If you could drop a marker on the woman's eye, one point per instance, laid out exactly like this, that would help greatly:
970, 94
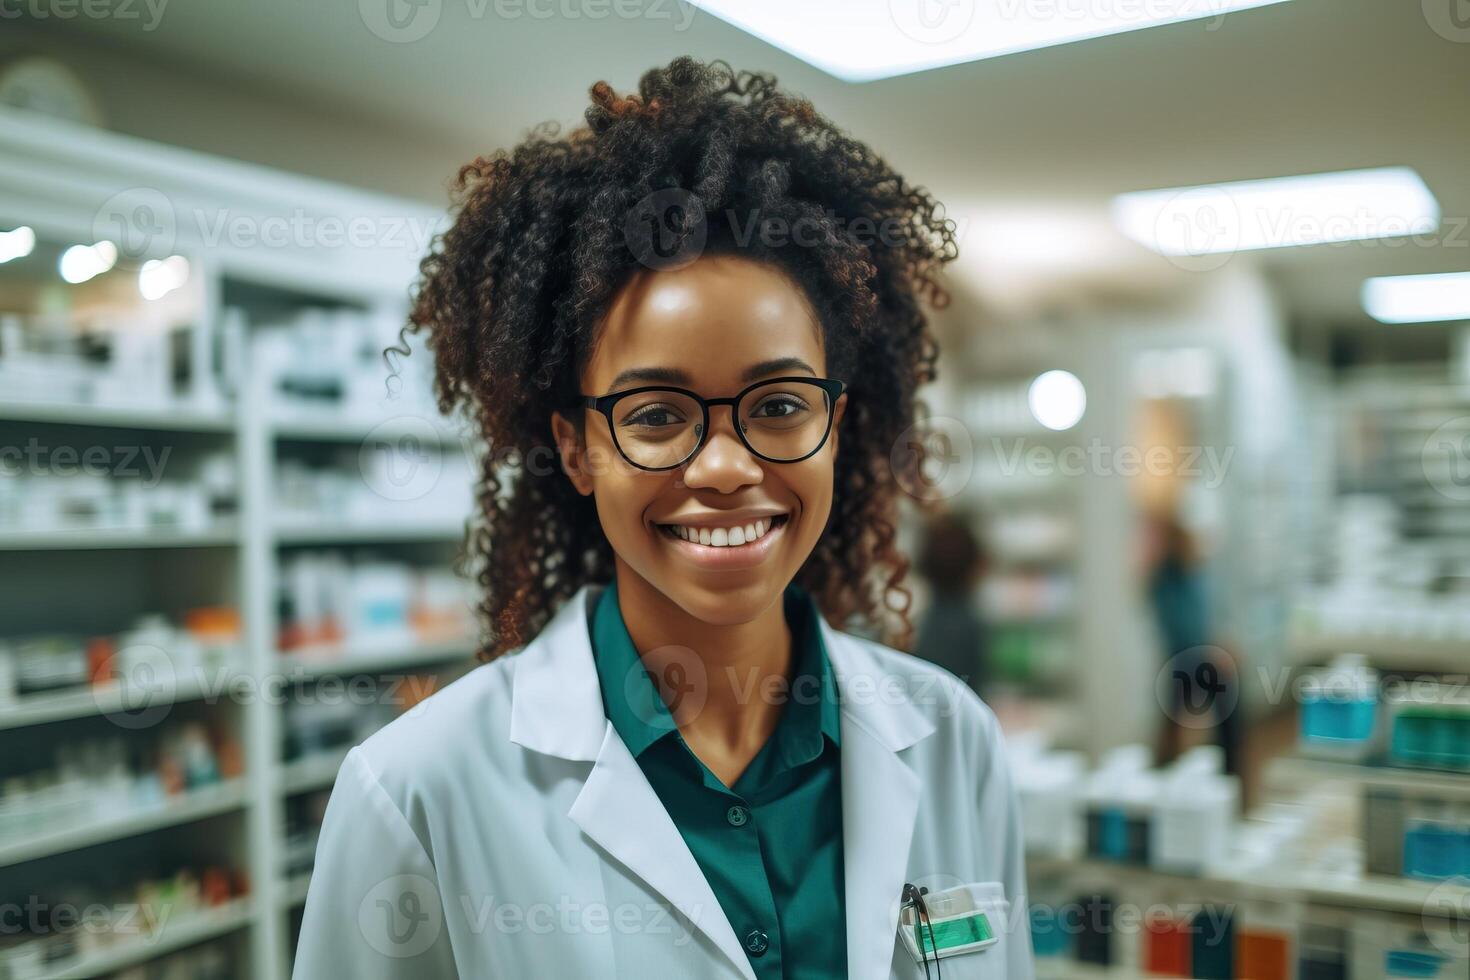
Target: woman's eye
777, 408
654, 416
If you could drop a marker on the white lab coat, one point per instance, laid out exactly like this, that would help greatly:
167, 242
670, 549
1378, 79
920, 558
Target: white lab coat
502, 829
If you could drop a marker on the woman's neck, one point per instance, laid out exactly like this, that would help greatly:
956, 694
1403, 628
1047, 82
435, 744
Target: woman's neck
725, 685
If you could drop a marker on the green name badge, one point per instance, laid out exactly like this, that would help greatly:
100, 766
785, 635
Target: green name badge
956, 931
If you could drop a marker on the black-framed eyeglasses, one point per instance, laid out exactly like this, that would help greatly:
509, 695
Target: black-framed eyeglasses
780, 420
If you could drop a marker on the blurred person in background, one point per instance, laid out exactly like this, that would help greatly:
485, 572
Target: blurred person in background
952, 632
1200, 673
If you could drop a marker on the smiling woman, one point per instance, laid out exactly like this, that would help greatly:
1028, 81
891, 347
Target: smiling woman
706, 306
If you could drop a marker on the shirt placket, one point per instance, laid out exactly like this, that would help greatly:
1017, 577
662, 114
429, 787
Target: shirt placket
735, 816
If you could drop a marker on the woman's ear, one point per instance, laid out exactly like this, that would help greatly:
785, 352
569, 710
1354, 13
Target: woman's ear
569, 447
838, 407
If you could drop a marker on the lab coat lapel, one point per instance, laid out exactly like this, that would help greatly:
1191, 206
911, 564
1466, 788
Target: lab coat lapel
880, 802
556, 709
619, 810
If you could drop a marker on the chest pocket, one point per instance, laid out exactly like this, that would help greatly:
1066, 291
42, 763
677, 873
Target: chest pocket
971, 926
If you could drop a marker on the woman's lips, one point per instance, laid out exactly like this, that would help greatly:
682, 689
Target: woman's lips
723, 558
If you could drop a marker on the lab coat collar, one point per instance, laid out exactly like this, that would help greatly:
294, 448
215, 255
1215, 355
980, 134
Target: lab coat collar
557, 710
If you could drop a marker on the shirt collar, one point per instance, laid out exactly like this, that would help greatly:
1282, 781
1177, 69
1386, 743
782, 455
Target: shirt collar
641, 718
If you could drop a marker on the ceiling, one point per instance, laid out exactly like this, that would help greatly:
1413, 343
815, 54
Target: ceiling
1298, 87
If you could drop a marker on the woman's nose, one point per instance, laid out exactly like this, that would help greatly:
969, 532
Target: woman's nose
723, 463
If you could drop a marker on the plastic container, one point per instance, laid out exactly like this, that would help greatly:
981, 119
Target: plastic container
1339, 710
1047, 785
1194, 818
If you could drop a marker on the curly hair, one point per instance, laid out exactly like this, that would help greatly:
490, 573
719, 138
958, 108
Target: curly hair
512, 292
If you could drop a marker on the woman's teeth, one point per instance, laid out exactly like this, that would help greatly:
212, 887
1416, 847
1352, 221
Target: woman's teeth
725, 537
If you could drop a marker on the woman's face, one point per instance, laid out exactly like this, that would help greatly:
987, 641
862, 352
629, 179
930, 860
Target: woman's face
714, 327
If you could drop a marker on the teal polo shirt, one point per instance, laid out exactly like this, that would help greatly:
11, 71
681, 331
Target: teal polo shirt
771, 845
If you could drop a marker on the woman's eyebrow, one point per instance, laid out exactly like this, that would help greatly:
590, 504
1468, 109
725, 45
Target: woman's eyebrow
665, 375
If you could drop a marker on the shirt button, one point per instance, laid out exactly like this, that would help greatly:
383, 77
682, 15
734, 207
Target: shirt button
737, 815
756, 942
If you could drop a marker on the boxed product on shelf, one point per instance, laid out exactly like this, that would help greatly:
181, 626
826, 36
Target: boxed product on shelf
329, 363
114, 777
123, 915
1416, 833
326, 723
152, 651
1429, 725
375, 485
109, 359
304, 815
1324, 945
1118, 806
196, 495
333, 605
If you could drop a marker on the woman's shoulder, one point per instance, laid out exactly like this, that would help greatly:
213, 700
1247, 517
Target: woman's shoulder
463, 726
908, 685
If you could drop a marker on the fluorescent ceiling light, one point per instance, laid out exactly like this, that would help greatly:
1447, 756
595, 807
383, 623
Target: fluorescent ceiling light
82, 262
863, 40
1252, 214
17, 243
1418, 299
159, 277
1057, 399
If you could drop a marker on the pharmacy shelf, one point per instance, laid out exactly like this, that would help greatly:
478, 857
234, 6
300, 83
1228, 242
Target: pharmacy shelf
1385, 651
1354, 891
180, 418
194, 805
328, 532
1294, 770
373, 280
1055, 968
339, 662
315, 771
350, 430
176, 934
103, 539
108, 699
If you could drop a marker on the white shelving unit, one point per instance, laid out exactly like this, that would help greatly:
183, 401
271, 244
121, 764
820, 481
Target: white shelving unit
176, 935
65, 181
191, 806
